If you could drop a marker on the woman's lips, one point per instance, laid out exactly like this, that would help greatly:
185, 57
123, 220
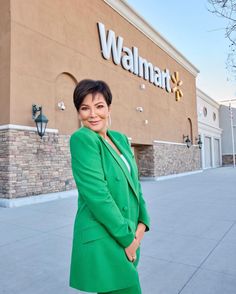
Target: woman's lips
94, 123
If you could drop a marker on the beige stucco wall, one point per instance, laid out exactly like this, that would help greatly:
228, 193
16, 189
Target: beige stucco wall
53, 38
5, 39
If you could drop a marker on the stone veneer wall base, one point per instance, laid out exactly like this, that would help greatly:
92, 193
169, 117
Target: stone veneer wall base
167, 159
227, 159
33, 166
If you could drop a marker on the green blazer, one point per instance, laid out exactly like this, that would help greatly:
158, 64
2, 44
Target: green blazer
110, 205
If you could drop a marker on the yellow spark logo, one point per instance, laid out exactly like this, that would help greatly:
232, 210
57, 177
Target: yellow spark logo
175, 79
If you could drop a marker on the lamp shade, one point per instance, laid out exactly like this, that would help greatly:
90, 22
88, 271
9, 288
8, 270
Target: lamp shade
199, 142
188, 142
41, 124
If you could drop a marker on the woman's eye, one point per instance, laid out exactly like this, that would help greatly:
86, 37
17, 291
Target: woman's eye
84, 108
100, 106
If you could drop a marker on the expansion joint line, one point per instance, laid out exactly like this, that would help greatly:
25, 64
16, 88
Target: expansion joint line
198, 268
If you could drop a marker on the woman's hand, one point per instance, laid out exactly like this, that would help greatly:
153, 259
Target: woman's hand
140, 232
131, 250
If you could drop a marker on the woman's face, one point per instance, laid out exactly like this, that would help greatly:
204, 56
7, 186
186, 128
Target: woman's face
94, 113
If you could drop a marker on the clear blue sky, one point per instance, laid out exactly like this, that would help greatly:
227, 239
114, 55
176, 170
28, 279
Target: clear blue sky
198, 35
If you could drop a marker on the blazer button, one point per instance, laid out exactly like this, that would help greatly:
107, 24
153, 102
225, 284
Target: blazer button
125, 208
117, 179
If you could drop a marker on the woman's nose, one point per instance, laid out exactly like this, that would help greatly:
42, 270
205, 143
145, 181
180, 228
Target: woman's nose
92, 112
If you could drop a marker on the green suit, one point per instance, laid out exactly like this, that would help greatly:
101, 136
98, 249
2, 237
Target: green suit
110, 205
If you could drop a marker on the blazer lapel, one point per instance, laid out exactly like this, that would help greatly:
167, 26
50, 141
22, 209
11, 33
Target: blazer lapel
120, 161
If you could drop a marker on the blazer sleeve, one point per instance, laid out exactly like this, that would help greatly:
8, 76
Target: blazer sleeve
92, 186
143, 213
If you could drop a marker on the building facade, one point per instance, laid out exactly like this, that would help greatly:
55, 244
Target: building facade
209, 130
228, 124
51, 45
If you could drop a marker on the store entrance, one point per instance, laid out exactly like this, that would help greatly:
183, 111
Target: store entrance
144, 156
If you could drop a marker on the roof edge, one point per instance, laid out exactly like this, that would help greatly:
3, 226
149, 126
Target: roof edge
207, 98
126, 11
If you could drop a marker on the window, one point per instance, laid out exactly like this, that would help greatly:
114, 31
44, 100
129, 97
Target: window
205, 111
214, 116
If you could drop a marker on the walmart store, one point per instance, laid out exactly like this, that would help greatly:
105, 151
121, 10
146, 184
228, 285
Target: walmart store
48, 46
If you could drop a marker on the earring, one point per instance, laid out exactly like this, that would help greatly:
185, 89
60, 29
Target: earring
109, 120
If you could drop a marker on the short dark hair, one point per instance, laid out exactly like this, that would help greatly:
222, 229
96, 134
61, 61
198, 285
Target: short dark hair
86, 87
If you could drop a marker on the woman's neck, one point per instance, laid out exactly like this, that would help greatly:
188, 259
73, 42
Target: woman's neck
103, 133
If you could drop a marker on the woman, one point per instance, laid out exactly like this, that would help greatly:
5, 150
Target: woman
111, 218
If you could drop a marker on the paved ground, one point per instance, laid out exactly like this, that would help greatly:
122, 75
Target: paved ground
191, 248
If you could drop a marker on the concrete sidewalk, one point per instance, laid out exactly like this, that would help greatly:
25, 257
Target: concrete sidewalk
191, 248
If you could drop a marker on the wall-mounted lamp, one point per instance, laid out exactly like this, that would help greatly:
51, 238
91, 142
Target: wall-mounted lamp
146, 122
199, 141
139, 109
41, 120
187, 141
142, 87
